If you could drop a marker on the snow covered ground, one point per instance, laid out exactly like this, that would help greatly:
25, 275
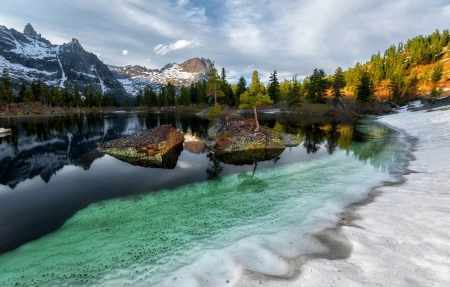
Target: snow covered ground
400, 236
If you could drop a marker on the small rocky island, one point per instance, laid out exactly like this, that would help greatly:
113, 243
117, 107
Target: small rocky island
159, 146
237, 134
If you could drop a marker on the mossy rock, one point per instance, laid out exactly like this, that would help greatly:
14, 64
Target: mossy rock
147, 146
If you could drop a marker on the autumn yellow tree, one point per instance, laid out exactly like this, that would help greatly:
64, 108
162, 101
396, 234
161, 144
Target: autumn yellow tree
254, 97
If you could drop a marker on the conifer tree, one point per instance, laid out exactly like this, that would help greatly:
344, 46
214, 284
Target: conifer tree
165, 97
213, 84
67, 97
254, 97
295, 94
193, 93
337, 85
185, 98
76, 95
6, 91
138, 102
436, 73
396, 86
56, 97
98, 99
316, 89
241, 86
171, 93
28, 96
274, 87
21, 94
364, 90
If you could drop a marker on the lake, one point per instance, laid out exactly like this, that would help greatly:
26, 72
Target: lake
72, 215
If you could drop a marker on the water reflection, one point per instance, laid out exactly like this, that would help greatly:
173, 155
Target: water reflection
169, 159
41, 146
50, 168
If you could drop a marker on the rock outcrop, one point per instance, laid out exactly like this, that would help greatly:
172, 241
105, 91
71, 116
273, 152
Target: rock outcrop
231, 134
196, 65
433, 103
149, 146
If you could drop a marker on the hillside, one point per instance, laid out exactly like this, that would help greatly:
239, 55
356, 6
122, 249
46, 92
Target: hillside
406, 70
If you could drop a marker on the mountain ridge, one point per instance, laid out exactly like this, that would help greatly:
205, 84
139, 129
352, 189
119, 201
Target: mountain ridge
135, 77
28, 56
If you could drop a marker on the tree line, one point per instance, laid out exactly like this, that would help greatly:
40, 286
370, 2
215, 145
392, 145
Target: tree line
397, 70
56, 96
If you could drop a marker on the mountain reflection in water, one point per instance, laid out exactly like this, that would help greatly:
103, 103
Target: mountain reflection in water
50, 168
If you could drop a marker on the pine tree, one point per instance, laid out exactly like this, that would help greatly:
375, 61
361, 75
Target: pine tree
241, 86
295, 95
396, 86
171, 93
193, 93
138, 102
76, 96
185, 99
213, 85
28, 96
67, 97
6, 93
21, 94
56, 97
436, 73
316, 89
337, 85
254, 97
274, 87
98, 99
364, 90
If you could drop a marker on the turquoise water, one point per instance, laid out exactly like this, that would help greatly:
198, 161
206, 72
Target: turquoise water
151, 239
198, 232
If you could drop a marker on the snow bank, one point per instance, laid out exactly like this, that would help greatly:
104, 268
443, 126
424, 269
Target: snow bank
402, 237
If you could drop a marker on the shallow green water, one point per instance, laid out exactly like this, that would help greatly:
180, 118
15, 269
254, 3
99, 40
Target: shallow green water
148, 238
201, 232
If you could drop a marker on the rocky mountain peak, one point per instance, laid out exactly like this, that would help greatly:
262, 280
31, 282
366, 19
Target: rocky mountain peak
29, 30
196, 65
75, 46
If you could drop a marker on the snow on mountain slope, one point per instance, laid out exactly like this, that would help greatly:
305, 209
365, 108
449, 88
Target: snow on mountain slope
135, 78
28, 56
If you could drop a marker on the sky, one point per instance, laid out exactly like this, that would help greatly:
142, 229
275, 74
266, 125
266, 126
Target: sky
292, 37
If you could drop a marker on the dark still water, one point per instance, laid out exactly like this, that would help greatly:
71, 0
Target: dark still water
71, 215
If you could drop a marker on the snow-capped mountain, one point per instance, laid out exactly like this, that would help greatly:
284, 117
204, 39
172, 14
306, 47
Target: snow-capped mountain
135, 78
29, 56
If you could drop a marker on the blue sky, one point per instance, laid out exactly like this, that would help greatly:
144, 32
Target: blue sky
293, 37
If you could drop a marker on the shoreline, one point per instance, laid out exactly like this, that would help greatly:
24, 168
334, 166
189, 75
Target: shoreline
347, 250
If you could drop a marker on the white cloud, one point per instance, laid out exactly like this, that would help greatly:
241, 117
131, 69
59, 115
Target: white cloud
181, 3
124, 52
178, 45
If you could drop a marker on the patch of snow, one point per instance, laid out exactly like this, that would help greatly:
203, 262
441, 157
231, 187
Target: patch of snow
35, 49
104, 88
402, 237
20, 71
63, 76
